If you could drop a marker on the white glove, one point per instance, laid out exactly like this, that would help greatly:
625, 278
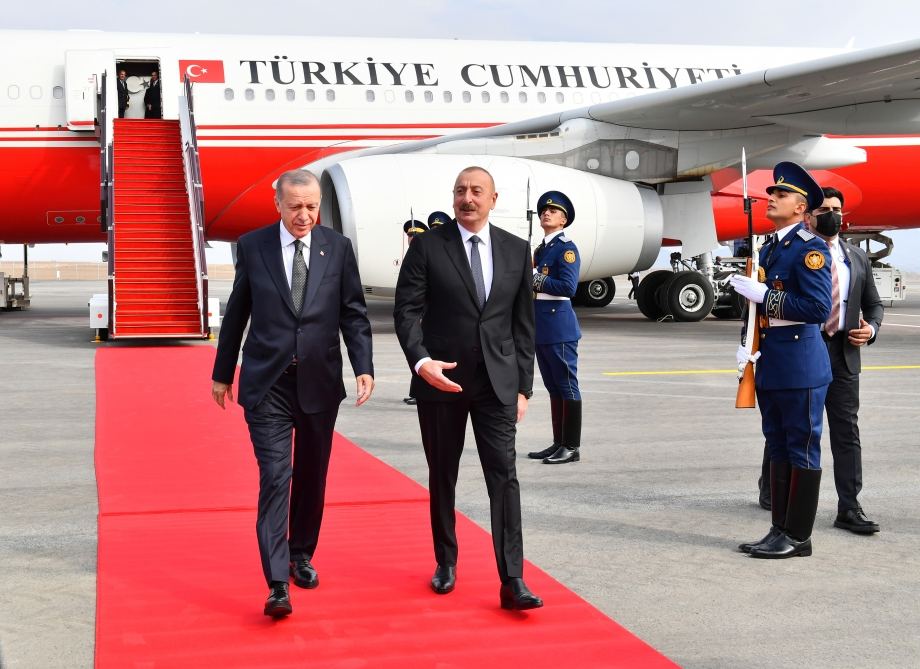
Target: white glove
742, 357
748, 287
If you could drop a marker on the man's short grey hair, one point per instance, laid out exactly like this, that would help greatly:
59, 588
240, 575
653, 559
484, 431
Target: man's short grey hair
294, 178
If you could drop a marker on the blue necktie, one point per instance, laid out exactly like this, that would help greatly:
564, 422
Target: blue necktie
476, 266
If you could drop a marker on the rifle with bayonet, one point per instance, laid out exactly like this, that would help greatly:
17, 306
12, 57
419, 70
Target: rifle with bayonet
746, 398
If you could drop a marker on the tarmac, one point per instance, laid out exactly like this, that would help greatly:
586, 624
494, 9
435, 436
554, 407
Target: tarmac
645, 527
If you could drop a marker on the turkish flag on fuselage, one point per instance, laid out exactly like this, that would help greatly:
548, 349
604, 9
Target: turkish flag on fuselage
202, 71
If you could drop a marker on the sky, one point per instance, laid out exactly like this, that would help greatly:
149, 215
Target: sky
818, 23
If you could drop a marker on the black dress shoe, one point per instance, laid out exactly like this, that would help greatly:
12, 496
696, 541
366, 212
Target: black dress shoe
304, 574
545, 453
444, 579
562, 455
278, 604
773, 533
410, 401
515, 595
855, 520
780, 547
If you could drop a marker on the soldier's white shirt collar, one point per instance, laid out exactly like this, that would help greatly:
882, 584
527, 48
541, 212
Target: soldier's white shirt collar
782, 232
550, 237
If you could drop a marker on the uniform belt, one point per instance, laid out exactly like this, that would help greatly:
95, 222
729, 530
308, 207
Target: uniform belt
780, 323
544, 296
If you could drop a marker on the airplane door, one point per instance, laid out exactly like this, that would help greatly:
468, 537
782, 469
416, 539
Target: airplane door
82, 81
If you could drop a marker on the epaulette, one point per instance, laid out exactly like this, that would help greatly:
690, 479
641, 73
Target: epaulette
563, 238
804, 234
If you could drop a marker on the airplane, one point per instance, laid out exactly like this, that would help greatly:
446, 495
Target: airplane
646, 139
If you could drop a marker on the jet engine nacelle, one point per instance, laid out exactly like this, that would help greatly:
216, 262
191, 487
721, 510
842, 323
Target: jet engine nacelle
618, 225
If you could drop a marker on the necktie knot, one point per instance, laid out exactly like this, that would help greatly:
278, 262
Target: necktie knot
298, 247
474, 239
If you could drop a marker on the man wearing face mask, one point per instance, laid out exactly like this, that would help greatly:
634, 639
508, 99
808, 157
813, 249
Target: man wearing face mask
844, 333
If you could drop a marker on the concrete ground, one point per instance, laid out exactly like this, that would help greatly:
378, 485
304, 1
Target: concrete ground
644, 527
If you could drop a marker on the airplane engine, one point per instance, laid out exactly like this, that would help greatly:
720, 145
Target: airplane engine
617, 227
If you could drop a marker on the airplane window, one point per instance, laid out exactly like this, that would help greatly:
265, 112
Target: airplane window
35, 92
13, 92
270, 94
390, 96
249, 94
485, 96
429, 96
369, 95
410, 96
228, 94
330, 95
504, 96
467, 97
541, 97
57, 92
522, 97
579, 98
290, 94
311, 95
448, 96
560, 97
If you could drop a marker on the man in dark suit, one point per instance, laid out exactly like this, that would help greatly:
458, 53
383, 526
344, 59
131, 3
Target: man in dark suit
122, 87
464, 317
297, 286
153, 98
845, 333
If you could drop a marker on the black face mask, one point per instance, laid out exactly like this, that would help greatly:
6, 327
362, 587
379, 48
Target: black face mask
828, 223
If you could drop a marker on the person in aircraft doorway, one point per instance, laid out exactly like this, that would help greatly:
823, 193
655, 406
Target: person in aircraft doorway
153, 98
555, 278
122, 87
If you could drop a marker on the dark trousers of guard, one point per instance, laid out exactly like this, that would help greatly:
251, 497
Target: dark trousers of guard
792, 422
842, 407
443, 428
558, 365
292, 491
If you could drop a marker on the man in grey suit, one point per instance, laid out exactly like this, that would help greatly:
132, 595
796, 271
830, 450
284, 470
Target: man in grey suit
845, 332
464, 317
297, 286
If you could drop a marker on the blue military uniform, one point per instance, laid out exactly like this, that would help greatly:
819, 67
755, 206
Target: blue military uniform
556, 270
793, 372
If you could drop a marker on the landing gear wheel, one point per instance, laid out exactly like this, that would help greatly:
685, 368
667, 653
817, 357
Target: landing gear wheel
689, 297
595, 293
645, 293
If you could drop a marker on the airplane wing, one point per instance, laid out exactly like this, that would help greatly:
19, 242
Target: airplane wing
872, 91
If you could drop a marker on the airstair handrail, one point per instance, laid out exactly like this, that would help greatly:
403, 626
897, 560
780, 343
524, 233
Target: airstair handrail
105, 128
193, 186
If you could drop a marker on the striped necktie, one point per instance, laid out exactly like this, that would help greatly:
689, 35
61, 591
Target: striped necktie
833, 321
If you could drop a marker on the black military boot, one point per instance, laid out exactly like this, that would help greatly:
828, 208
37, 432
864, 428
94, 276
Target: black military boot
571, 435
778, 480
555, 407
804, 485
763, 483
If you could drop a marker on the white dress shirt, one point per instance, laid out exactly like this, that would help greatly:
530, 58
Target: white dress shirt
287, 250
843, 278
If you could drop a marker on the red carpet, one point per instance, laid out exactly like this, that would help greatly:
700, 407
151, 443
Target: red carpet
179, 582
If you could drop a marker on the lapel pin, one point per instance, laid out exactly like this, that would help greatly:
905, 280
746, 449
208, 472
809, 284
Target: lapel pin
322, 253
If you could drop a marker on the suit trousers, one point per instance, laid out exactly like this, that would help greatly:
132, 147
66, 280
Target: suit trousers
292, 491
842, 407
443, 428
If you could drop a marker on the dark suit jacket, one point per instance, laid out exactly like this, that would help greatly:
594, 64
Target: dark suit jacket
122, 87
334, 301
437, 313
863, 297
153, 97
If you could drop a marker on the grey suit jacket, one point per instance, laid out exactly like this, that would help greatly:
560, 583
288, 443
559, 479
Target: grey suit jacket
437, 313
863, 297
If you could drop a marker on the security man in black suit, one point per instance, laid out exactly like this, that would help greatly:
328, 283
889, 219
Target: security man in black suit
297, 286
464, 318
153, 98
846, 331
413, 229
122, 88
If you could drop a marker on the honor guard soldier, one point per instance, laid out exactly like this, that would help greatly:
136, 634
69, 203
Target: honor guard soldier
793, 297
437, 219
413, 229
555, 278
